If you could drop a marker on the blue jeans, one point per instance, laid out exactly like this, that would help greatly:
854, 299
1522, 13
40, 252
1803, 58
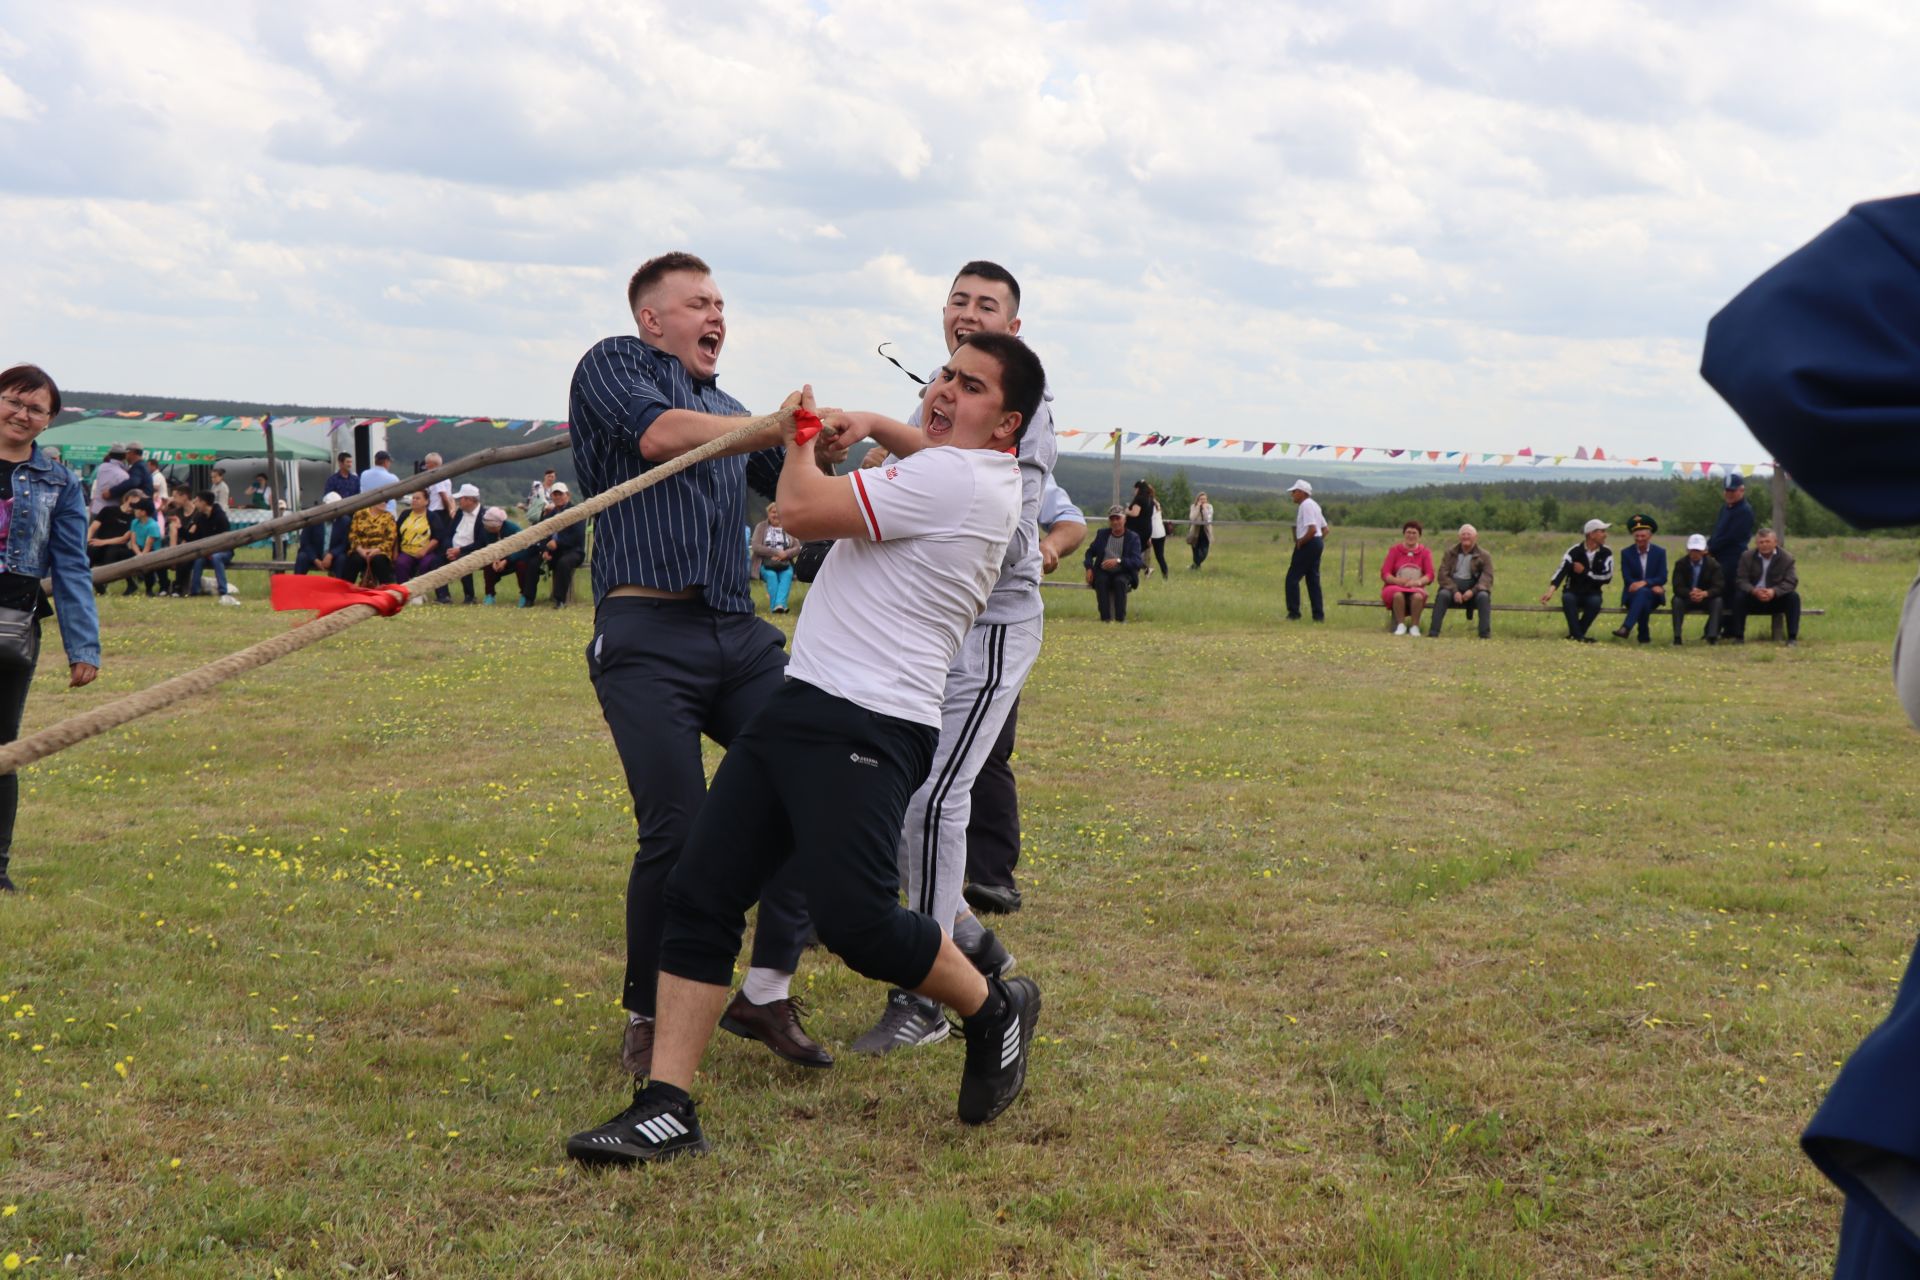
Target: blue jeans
219, 560
779, 583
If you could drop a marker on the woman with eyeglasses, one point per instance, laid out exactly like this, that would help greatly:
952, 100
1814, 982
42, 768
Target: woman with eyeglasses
43, 533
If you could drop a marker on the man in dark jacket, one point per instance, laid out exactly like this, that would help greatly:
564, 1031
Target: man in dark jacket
564, 552
1465, 581
1584, 570
1643, 574
1113, 561
1767, 583
1728, 541
1697, 586
313, 550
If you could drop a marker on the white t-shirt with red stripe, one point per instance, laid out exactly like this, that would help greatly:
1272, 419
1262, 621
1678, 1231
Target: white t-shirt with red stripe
886, 615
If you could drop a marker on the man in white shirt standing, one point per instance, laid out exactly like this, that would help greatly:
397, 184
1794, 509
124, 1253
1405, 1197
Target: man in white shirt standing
440, 492
1309, 540
820, 778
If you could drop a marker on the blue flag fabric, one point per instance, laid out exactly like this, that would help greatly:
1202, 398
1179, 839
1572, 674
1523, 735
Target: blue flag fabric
1821, 358
1866, 1138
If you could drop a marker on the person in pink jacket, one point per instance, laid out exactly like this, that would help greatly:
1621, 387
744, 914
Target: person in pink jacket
1407, 572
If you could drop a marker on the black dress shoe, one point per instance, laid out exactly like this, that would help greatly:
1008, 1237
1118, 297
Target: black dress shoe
1620, 633
776, 1025
991, 899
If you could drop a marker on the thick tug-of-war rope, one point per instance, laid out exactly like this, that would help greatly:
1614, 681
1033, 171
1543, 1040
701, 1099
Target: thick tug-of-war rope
349, 605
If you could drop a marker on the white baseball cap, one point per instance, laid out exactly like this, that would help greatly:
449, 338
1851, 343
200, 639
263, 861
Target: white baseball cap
1301, 486
467, 491
494, 515
1696, 542
560, 486
1594, 526
331, 497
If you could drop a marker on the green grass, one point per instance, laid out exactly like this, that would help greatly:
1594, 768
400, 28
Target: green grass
1363, 957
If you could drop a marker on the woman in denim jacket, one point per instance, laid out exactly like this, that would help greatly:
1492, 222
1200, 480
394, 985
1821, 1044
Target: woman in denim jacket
43, 533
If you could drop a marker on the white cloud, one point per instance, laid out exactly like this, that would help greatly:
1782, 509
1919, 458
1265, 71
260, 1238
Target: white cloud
1396, 222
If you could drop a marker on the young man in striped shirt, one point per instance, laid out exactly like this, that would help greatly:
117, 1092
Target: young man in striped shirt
677, 653
819, 781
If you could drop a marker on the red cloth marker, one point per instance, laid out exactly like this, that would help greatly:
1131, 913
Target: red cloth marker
810, 425
327, 594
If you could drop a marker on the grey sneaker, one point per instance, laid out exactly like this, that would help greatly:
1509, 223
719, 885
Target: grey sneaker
909, 1021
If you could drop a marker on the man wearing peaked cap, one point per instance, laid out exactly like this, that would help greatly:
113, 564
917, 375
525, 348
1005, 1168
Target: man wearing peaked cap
1728, 541
1643, 568
1698, 586
1309, 541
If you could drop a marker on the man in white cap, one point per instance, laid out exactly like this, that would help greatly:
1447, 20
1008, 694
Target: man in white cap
466, 534
566, 549
1309, 540
1584, 572
314, 550
1698, 585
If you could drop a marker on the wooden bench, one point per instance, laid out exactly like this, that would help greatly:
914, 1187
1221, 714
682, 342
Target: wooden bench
1779, 621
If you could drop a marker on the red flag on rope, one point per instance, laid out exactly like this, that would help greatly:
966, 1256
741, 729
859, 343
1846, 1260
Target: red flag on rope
809, 425
326, 594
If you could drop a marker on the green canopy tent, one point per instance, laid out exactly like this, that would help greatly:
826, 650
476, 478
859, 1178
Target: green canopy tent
85, 442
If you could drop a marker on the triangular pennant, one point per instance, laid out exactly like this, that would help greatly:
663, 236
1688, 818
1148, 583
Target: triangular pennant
1265, 449
1213, 443
1579, 454
1599, 455
1246, 446
1433, 455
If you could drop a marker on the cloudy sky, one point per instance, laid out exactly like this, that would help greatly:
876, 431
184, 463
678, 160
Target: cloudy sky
1390, 222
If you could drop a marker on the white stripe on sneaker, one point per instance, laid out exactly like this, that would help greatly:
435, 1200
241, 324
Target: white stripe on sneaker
1010, 1044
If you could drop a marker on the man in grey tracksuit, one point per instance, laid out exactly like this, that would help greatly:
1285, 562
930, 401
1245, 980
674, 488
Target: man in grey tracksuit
982, 686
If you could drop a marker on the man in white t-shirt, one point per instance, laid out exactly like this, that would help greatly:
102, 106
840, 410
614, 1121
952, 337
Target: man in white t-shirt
440, 492
821, 776
1309, 540
982, 686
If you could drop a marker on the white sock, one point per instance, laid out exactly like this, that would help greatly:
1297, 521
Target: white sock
967, 930
764, 986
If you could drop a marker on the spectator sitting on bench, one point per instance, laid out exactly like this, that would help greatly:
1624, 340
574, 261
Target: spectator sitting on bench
1699, 586
1407, 572
1466, 581
1643, 567
1584, 570
1767, 583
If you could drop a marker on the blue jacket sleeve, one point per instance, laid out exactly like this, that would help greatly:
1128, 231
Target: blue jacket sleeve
763, 471
1656, 568
1132, 557
1820, 357
73, 577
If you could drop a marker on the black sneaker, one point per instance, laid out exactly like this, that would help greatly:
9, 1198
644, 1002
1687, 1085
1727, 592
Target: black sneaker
989, 955
6, 883
997, 1050
653, 1128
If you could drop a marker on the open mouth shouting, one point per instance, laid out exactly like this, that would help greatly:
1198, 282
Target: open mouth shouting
710, 342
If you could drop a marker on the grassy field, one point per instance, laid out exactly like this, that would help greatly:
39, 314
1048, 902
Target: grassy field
1363, 957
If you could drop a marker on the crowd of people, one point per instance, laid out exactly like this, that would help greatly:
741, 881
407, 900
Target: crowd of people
440, 525
1720, 578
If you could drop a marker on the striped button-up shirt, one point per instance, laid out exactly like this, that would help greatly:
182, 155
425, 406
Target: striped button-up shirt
688, 530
